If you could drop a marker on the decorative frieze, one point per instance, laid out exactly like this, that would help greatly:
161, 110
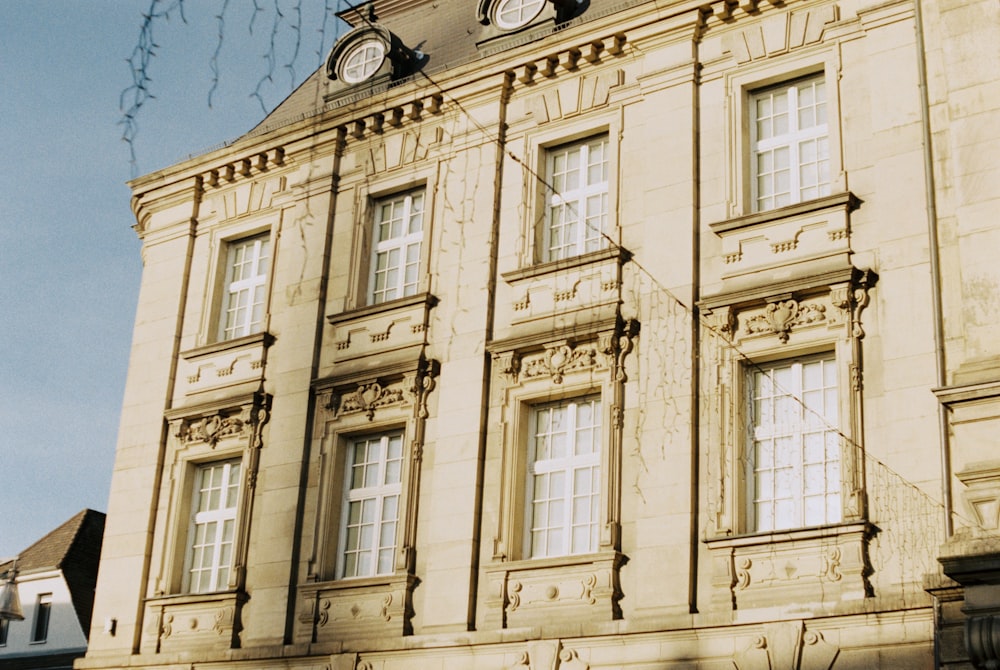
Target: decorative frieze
780, 317
773, 34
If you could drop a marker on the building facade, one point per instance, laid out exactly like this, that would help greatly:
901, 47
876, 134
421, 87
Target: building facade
557, 334
54, 579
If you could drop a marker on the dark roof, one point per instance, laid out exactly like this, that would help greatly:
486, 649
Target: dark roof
447, 34
75, 548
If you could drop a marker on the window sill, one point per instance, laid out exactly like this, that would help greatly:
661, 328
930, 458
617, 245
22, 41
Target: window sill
541, 269
845, 199
789, 535
536, 592
266, 339
193, 620
425, 298
822, 570
364, 607
378, 339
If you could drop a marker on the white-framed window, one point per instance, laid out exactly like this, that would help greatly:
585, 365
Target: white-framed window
247, 263
794, 464
512, 14
564, 478
362, 61
43, 613
398, 236
790, 145
576, 199
371, 505
212, 535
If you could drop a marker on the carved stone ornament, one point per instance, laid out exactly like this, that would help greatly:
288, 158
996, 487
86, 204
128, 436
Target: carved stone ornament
853, 298
560, 360
788, 646
548, 655
242, 422
366, 398
423, 384
779, 318
982, 640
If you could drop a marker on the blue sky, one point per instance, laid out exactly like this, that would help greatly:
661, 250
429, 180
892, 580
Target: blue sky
69, 260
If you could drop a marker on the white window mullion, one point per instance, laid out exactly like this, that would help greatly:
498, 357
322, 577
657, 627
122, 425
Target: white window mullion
577, 202
246, 287
213, 526
379, 487
395, 271
789, 141
795, 450
564, 484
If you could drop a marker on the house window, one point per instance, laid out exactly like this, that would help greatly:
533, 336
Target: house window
371, 506
564, 478
245, 288
399, 222
576, 207
790, 153
511, 14
213, 531
362, 61
795, 445
43, 612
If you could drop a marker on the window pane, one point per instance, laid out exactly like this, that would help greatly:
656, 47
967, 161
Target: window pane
243, 304
368, 537
577, 210
796, 456
790, 156
395, 270
565, 478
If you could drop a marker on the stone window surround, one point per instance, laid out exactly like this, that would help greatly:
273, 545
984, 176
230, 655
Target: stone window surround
212, 432
824, 319
365, 404
741, 83
537, 143
531, 371
219, 239
366, 195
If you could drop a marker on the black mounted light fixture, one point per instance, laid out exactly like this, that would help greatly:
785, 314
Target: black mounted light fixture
10, 601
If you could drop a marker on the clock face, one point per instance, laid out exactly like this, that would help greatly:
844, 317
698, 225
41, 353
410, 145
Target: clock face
511, 14
362, 61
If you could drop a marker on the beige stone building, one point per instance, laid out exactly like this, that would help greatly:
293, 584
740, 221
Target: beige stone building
577, 334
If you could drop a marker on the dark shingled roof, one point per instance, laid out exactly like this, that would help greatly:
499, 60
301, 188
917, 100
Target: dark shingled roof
446, 32
75, 548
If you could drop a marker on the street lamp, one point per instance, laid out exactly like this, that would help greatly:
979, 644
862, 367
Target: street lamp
10, 601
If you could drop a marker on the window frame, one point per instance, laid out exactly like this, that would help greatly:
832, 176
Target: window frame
233, 288
379, 493
568, 465
796, 430
578, 198
41, 619
497, 9
792, 141
757, 76
362, 45
226, 514
402, 244
533, 210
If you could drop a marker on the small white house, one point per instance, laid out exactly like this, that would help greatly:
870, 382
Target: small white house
55, 581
